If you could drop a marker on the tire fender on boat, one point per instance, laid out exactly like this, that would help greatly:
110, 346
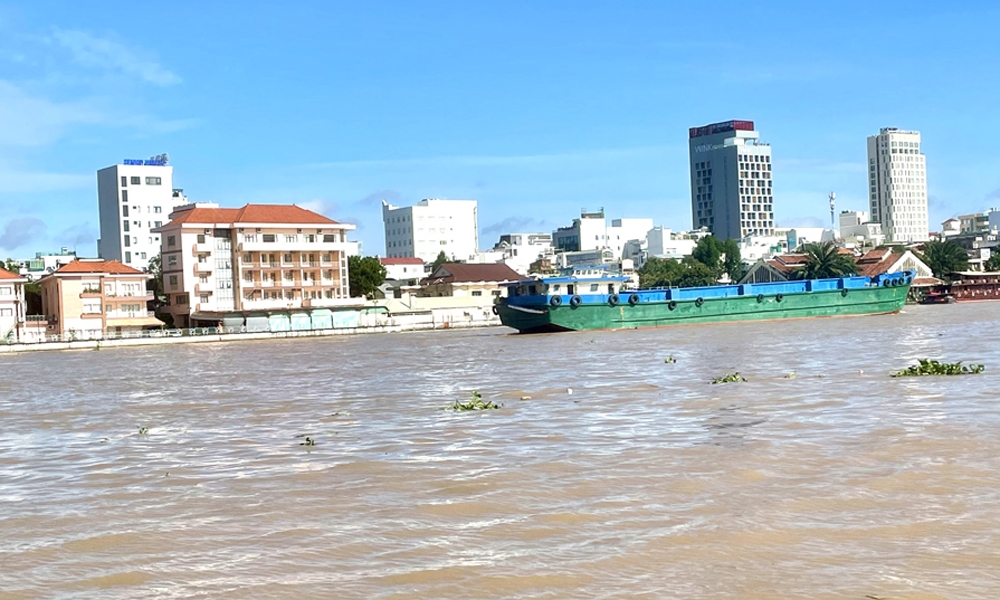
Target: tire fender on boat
496, 310
843, 292
699, 301
760, 298
671, 305
555, 300
613, 299
779, 298
633, 299
575, 301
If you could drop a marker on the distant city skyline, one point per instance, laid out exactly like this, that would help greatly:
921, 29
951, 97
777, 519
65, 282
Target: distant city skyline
534, 110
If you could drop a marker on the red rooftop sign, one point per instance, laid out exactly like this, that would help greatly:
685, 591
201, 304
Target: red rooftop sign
720, 128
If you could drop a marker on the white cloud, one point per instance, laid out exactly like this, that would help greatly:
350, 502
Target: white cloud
101, 53
32, 121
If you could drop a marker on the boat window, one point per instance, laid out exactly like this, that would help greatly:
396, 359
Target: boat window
595, 287
555, 288
570, 289
521, 290
532, 290
611, 288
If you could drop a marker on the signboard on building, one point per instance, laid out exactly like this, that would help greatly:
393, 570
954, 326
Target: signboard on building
720, 128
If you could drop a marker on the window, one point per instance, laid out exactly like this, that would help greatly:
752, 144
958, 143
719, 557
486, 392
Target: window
203, 298
182, 299
136, 181
124, 181
329, 238
268, 238
248, 257
173, 281
142, 255
310, 238
6, 312
128, 241
157, 223
152, 181
125, 211
157, 209
125, 226
124, 195
286, 258
291, 238
250, 238
201, 238
128, 257
495, 292
172, 260
171, 241
477, 292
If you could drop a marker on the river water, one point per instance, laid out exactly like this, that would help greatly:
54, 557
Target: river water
623, 476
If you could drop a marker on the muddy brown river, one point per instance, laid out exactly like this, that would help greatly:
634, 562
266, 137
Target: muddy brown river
181, 471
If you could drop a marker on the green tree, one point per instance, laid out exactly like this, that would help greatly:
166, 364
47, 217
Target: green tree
993, 264
708, 251
364, 275
945, 257
825, 260
733, 263
11, 265
660, 272
155, 285
697, 274
440, 260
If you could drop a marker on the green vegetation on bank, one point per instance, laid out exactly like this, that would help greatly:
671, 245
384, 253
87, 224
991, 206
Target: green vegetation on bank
364, 275
710, 260
944, 257
933, 367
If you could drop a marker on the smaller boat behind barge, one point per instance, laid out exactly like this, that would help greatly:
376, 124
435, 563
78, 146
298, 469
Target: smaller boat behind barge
607, 302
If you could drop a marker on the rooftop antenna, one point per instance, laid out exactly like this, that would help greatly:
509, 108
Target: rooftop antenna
833, 201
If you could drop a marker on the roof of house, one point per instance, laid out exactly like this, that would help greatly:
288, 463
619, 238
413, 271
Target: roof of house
5, 274
112, 267
253, 213
467, 273
401, 261
876, 262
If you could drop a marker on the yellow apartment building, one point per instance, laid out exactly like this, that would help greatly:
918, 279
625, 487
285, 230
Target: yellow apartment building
95, 298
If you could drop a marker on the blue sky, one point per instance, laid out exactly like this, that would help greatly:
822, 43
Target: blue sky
536, 109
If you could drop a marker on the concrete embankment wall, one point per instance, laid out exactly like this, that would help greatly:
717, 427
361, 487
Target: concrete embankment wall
431, 320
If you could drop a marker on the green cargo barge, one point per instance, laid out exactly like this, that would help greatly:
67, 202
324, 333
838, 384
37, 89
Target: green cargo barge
588, 303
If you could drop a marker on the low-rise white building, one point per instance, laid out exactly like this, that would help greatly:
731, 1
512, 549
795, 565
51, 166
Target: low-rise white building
43, 264
520, 250
403, 269
430, 227
623, 231
12, 310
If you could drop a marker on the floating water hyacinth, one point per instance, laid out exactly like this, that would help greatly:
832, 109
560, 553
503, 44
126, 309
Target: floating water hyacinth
932, 367
475, 402
730, 378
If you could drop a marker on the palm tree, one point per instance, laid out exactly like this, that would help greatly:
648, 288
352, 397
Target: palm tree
825, 260
945, 257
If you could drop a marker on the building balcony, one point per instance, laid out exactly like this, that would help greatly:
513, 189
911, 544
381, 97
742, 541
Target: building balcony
203, 288
279, 304
299, 246
91, 293
202, 268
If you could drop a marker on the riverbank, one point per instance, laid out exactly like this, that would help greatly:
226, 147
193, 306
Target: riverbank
211, 335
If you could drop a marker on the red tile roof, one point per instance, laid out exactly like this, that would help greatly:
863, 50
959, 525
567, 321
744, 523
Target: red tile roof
5, 274
468, 273
401, 261
254, 213
876, 262
111, 267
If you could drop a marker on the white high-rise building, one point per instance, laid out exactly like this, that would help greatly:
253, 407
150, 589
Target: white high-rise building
431, 226
134, 198
731, 191
897, 184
